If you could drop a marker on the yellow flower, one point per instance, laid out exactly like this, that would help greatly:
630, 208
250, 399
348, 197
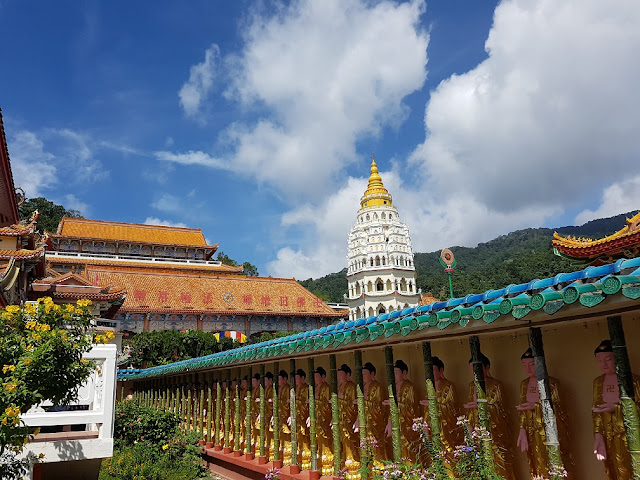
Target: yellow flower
70, 308
56, 308
30, 325
10, 386
164, 447
83, 303
29, 348
30, 308
27, 361
43, 327
13, 309
36, 336
36, 431
8, 368
12, 411
4, 421
110, 335
41, 456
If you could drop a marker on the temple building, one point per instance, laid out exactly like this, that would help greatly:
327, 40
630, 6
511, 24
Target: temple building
172, 283
381, 274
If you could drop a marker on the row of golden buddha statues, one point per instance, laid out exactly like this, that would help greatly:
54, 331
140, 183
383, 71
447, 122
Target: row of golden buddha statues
610, 442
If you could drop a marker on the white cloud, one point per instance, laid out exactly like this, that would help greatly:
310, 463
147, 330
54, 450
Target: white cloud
548, 118
76, 154
165, 223
32, 167
197, 88
324, 74
621, 197
71, 202
168, 203
191, 158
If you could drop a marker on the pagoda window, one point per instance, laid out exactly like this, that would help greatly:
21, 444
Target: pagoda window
371, 261
390, 216
368, 217
381, 309
358, 291
371, 311
379, 285
377, 261
410, 286
403, 285
384, 260
389, 285
383, 216
398, 308
369, 286
375, 216
406, 305
358, 312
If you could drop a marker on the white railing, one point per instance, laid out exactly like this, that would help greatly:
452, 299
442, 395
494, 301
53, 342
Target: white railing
132, 258
93, 410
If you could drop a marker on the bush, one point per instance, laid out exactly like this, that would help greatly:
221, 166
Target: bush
135, 422
148, 446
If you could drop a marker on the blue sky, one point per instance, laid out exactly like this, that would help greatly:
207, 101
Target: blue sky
256, 120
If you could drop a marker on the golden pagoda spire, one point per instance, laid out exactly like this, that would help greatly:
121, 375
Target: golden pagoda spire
375, 194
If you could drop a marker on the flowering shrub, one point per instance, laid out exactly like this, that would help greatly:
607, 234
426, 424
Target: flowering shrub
41, 347
272, 474
470, 461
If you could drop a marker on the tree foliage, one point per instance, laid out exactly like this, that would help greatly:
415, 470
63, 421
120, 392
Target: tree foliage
249, 269
41, 349
50, 213
166, 346
518, 257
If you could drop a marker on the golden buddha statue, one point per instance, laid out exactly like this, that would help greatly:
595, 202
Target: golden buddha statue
348, 415
610, 442
407, 410
284, 417
451, 434
532, 436
324, 436
499, 422
376, 412
302, 419
268, 416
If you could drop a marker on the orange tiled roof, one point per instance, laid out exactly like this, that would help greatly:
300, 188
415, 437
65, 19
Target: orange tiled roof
132, 232
151, 266
22, 254
17, 230
182, 292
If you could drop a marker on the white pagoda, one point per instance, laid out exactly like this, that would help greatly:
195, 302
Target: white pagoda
381, 273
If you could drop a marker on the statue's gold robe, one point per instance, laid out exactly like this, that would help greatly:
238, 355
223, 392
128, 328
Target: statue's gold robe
377, 417
611, 426
243, 416
451, 434
324, 437
533, 423
284, 410
408, 411
348, 413
302, 414
500, 435
255, 411
268, 427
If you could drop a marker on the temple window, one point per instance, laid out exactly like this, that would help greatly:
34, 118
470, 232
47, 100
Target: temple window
379, 285
381, 309
377, 261
368, 217
388, 284
371, 311
410, 286
358, 291
403, 285
383, 216
369, 286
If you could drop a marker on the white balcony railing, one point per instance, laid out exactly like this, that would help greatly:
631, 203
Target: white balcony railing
84, 429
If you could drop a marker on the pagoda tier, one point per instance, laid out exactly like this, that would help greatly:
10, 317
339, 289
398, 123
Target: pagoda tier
625, 243
79, 235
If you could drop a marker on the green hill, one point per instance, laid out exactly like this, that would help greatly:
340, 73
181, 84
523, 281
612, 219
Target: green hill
517, 257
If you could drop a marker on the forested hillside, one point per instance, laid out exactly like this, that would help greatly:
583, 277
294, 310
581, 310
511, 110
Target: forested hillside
514, 258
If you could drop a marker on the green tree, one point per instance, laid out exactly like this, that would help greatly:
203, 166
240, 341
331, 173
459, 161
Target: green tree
50, 213
250, 269
226, 260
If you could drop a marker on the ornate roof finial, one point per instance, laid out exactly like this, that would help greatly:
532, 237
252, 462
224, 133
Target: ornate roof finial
375, 194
